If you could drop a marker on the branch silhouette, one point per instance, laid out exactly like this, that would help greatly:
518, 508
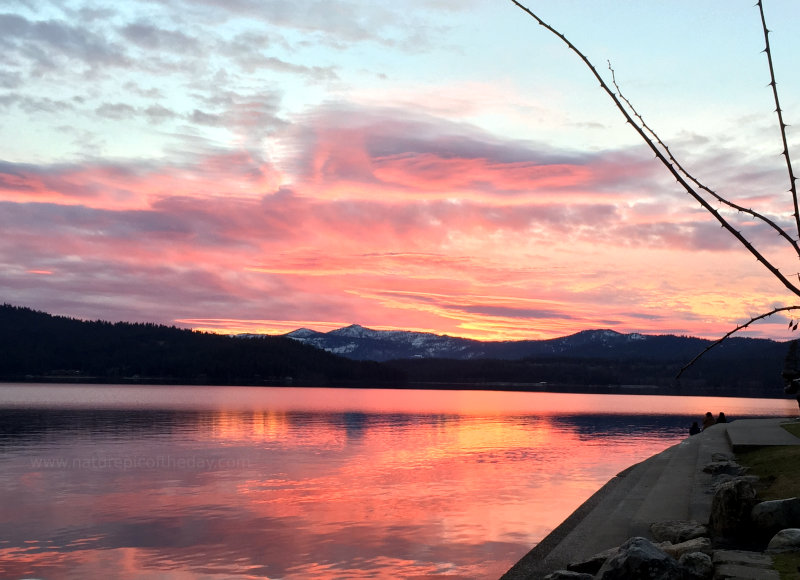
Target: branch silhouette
779, 113
735, 330
781, 232
693, 186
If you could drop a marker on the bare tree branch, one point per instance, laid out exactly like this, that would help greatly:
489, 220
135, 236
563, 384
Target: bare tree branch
779, 112
693, 186
734, 331
676, 173
780, 231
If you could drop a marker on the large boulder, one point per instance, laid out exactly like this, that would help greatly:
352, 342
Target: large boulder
724, 467
694, 545
723, 478
593, 563
696, 566
640, 558
787, 540
769, 517
730, 509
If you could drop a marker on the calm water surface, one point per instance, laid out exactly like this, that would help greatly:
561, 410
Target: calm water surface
229, 482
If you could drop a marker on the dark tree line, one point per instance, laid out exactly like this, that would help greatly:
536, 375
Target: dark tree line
741, 373
38, 346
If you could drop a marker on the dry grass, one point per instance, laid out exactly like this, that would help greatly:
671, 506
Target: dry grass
787, 566
793, 428
777, 467
779, 471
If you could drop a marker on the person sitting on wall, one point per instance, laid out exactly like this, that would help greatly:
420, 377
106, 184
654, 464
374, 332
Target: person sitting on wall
722, 418
708, 420
694, 429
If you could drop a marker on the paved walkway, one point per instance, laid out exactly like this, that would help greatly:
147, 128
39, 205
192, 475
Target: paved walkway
669, 486
750, 433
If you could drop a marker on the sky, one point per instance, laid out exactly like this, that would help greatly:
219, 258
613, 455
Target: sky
257, 166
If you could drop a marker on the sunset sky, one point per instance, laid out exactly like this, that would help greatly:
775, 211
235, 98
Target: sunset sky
434, 165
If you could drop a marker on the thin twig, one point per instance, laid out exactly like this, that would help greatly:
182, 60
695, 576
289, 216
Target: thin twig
781, 232
663, 159
781, 124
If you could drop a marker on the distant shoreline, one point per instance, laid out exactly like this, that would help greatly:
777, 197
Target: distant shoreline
39, 347
430, 386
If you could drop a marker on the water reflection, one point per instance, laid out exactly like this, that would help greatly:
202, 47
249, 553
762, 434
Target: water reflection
245, 483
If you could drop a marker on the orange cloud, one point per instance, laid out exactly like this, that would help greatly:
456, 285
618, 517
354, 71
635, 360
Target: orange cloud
382, 219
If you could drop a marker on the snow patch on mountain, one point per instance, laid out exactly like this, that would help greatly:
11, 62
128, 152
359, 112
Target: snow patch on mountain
343, 349
303, 333
355, 331
361, 343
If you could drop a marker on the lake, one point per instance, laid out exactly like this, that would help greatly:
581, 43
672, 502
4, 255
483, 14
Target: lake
174, 483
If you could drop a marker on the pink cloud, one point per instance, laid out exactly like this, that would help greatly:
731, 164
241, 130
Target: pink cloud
134, 185
377, 218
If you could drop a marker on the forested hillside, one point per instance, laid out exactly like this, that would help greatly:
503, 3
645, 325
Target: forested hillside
38, 346
753, 374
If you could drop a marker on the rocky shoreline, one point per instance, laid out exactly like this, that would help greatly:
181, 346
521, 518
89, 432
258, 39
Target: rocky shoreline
732, 537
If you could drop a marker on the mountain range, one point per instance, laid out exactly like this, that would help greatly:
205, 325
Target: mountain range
587, 361
36, 347
359, 343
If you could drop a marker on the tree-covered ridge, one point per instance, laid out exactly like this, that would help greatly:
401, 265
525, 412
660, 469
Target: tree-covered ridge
36, 346
39, 346
745, 374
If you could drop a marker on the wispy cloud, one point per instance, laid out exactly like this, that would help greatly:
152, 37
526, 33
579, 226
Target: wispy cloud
246, 165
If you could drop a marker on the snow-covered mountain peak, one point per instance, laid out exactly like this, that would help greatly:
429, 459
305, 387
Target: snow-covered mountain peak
605, 333
302, 333
358, 342
355, 331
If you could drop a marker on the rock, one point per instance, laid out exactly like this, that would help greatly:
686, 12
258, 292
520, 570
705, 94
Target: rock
717, 456
639, 558
592, 564
738, 564
567, 575
733, 572
722, 478
787, 540
769, 517
677, 531
742, 558
696, 566
724, 467
695, 545
730, 509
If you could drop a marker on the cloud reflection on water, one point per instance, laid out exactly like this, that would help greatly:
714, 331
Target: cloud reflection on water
338, 484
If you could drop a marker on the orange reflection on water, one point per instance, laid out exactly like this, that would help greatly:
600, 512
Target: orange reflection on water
244, 426
337, 483
261, 399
